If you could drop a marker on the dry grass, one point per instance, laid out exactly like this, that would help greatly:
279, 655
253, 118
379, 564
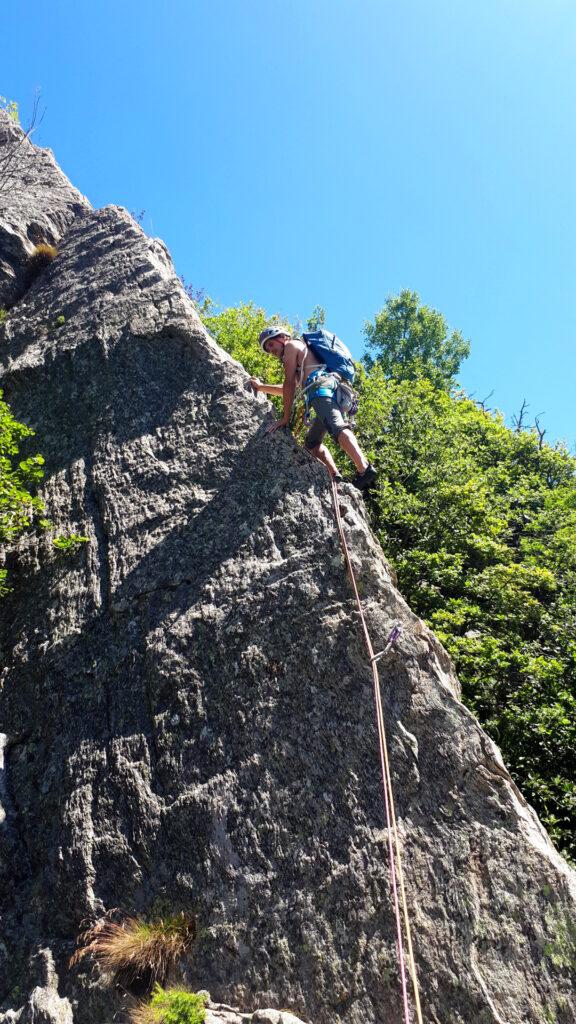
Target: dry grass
133, 948
142, 1014
44, 252
41, 258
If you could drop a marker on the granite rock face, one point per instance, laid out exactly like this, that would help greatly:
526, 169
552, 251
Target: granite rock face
44, 1005
186, 703
37, 204
220, 1014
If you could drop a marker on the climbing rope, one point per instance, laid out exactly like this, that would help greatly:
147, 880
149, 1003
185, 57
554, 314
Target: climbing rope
396, 872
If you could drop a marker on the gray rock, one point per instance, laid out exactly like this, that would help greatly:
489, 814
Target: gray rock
37, 204
219, 1013
44, 1005
274, 1017
187, 700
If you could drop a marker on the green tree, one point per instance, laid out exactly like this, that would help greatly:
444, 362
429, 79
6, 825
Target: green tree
412, 342
237, 330
480, 524
17, 504
316, 319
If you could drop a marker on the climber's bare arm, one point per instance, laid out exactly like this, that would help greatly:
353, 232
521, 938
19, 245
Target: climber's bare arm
290, 363
288, 389
266, 389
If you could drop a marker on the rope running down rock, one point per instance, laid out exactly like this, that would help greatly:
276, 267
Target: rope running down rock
396, 872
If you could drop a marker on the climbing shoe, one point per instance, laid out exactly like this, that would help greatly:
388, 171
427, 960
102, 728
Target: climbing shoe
337, 478
365, 480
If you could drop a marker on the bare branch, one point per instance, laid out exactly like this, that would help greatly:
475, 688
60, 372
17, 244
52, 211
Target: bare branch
518, 421
9, 163
539, 429
482, 402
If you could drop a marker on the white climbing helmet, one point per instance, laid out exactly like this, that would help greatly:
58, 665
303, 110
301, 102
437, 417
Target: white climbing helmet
271, 332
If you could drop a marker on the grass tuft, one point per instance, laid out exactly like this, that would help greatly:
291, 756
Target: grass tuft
174, 1005
45, 251
134, 948
41, 258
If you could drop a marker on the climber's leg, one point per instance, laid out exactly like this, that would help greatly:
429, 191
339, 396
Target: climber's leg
313, 444
329, 418
349, 444
321, 452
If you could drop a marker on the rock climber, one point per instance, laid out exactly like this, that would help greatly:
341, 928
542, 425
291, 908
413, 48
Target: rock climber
304, 370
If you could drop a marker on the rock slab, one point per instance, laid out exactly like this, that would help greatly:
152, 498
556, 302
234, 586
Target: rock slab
187, 705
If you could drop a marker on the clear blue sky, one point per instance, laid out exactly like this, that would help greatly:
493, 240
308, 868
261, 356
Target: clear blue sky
303, 152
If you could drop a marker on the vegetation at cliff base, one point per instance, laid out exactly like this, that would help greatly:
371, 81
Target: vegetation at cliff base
174, 1005
479, 521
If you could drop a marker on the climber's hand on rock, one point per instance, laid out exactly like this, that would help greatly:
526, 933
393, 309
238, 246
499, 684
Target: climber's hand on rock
278, 425
255, 383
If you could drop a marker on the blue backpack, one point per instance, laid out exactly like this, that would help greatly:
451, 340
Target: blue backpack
329, 350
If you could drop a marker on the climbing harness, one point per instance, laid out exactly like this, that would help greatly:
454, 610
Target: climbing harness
396, 872
323, 383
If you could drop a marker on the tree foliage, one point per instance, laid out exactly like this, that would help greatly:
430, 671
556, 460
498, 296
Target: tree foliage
412, 342
480, 523
237, 330
317, 319
10, 107
17, 477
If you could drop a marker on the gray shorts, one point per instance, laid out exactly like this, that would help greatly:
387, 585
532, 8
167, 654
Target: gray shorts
328, 419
